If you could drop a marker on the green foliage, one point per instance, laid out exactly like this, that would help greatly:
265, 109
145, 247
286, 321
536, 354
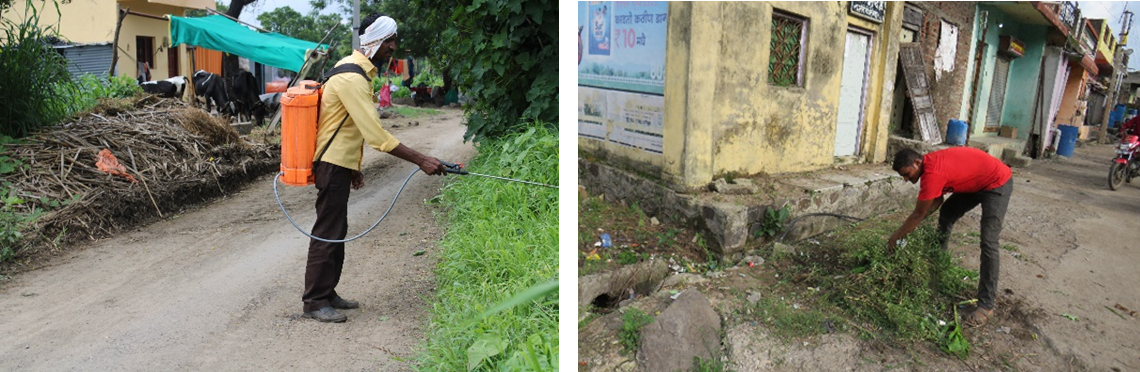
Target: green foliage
631, 324
774, 222
311, 27
33, 75
379, 81
413, 112
903, 293
501, 239
787, 318
710, 365
503, 54
93, 88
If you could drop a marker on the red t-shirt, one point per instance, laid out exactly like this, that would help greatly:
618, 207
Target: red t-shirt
961, 170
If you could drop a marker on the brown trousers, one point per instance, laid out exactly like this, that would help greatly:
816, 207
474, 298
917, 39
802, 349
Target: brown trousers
322, 272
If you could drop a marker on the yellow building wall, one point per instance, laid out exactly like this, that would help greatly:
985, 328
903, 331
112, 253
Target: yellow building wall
93, 21
80, 21
134, 26
722, 115
1107, 44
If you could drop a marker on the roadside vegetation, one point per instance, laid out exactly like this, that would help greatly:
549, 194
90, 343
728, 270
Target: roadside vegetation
848, 279
842, 281
501, 239
38, 93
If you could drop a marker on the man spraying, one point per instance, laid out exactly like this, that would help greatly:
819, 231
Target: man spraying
973, 177
348, 119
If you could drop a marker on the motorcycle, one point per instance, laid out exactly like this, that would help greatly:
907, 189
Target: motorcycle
1126, 165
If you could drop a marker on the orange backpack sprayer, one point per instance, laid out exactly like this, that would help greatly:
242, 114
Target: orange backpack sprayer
300, 114
300, 107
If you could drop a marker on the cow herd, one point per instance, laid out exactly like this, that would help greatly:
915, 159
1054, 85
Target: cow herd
236, 96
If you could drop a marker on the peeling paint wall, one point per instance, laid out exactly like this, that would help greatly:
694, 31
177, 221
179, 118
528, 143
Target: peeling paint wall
758, 127
723, 116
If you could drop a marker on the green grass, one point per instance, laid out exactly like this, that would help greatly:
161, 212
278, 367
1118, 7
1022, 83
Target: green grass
710, 365
501, 239
896, 296
631, 324
413, 112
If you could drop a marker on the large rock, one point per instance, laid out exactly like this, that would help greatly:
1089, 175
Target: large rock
687, 328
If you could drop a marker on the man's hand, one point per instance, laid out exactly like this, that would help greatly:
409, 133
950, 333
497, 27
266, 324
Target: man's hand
357, 180
432, 166
428, 164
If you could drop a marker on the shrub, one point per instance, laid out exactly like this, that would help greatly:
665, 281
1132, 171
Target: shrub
33, 74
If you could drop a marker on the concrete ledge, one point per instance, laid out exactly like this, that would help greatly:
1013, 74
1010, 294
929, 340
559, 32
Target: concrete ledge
731, 221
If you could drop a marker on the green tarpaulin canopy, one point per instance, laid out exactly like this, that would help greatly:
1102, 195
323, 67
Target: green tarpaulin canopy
222, 34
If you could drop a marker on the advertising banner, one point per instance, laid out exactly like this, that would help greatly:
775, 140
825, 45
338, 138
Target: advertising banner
621, 72
625, 45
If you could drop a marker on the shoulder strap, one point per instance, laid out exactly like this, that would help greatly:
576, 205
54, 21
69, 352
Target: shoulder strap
347, 67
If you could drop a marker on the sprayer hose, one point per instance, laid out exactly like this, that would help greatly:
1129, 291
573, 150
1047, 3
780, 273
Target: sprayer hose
278, 196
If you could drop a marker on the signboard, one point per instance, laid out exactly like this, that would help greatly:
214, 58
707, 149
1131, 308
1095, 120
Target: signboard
870, 10
1011, 47
624, 45
628, 119
621, 72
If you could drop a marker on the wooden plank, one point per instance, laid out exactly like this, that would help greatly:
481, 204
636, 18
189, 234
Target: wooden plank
910, 55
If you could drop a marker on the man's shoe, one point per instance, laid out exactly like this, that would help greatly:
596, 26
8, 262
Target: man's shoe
341, 303
327, 315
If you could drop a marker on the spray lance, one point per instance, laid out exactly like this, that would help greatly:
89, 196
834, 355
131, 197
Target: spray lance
453, 168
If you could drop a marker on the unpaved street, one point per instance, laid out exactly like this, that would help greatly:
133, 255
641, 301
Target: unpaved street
1078, 247
219, 287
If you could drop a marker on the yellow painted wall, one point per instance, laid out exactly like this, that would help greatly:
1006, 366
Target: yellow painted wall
81, 21
722, 115
142, 26
93, 21
1107, 44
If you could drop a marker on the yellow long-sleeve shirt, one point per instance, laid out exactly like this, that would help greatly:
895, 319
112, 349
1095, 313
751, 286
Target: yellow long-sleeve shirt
348, 93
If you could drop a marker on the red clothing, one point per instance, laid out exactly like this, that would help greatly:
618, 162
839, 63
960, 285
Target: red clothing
960, 170
1131, 126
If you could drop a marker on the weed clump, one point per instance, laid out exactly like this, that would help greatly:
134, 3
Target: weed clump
631, 324
906, 294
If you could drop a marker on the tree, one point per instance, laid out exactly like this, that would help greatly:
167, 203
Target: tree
503, 54
313, 27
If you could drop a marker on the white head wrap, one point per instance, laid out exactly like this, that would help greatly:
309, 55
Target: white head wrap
380, 30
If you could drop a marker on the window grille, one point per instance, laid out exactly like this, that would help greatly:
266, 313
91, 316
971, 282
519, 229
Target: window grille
785, 64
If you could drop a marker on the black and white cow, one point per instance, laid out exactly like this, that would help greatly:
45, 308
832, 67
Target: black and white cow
168, 88
212, 88
243, 93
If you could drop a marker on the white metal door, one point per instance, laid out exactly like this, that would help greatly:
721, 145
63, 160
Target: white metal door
852, 90
997, 95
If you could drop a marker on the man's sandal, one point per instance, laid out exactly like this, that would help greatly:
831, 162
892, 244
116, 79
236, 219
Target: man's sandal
978, 317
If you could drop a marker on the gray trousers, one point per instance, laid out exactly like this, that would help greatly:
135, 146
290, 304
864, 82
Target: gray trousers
994, 204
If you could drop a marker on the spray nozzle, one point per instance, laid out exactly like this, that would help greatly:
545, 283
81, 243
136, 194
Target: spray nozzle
456, 168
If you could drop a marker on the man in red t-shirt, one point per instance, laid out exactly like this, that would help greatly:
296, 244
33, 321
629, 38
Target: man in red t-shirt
973, 177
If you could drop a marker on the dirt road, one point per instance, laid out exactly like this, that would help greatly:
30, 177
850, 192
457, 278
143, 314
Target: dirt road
219, 287
1077, 249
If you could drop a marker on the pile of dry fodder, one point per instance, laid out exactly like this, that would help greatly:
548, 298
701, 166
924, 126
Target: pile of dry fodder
178, 154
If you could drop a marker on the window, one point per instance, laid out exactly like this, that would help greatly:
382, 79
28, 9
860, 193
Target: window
785, 64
